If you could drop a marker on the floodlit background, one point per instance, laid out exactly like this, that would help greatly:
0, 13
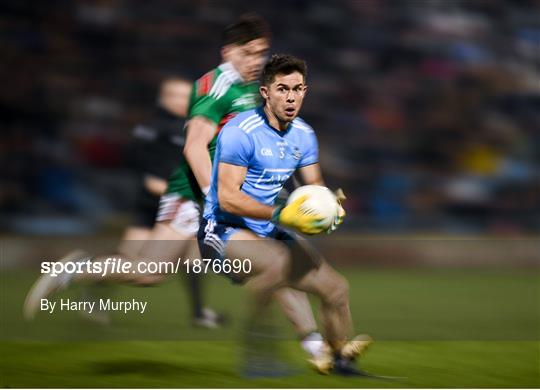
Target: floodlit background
427, 114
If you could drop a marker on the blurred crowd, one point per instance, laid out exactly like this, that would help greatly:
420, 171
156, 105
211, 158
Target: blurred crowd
427, 112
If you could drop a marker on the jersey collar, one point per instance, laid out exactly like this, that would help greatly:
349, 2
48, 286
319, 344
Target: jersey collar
230, 70
281, 133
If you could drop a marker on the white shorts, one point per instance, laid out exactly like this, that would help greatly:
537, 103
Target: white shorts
182, 214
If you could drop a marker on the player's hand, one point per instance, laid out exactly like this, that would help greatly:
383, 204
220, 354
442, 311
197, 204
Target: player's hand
293, 215
340, 216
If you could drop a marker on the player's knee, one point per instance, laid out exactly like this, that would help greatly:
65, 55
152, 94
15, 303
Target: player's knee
337, 293
274, 274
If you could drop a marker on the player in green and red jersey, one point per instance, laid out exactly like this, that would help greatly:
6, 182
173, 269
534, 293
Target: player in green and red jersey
216, 98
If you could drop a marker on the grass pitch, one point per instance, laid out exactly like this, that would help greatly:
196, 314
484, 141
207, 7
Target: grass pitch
443, 328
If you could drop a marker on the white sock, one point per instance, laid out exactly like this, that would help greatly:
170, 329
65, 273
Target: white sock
313, 344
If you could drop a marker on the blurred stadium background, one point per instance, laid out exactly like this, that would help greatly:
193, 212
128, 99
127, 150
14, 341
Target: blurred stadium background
428, 112
428, 116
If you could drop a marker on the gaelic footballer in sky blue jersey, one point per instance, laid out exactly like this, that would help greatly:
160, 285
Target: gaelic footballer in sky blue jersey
270, 157
256, 153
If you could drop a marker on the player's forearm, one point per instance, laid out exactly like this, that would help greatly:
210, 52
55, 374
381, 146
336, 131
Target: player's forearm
238, 203
319, 182
198, 158
311, 174
199, 134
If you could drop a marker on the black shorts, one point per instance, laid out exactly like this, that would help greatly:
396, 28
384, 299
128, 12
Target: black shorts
146, 207
214, 236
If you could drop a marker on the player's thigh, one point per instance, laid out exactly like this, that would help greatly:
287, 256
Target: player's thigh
167, 244
164, 248
324, 282
265, 255
133, 240
136, 233
304, 257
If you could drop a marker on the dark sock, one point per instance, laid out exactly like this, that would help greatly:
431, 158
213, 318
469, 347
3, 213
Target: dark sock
193, 284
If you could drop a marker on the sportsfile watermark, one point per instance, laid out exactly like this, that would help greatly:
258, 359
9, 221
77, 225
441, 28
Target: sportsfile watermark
117, 265
399, 289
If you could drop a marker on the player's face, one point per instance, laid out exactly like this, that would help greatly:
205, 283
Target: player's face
284, 97
175, 97
248, 59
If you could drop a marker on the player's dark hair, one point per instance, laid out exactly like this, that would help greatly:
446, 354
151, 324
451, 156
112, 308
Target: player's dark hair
247, 27
282, 64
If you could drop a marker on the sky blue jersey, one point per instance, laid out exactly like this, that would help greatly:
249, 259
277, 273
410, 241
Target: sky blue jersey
271, 157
